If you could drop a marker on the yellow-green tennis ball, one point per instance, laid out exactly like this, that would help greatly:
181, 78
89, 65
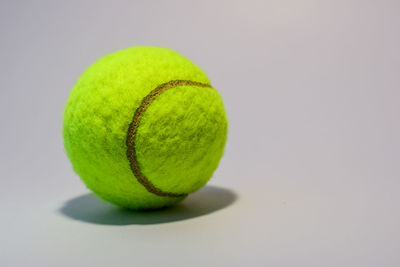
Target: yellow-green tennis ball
143, 128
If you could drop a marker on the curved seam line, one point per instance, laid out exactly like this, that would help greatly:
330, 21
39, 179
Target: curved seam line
134, 125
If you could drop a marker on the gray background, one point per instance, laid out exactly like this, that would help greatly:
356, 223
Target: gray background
310, 176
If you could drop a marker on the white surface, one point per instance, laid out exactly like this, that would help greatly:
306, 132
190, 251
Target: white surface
311, 171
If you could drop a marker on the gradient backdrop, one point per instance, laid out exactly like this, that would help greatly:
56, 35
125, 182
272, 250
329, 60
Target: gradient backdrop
311, 173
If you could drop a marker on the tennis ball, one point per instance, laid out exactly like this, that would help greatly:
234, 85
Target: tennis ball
144, 128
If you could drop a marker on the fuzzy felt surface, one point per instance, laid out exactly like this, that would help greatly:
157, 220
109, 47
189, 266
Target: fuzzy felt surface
180, 138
